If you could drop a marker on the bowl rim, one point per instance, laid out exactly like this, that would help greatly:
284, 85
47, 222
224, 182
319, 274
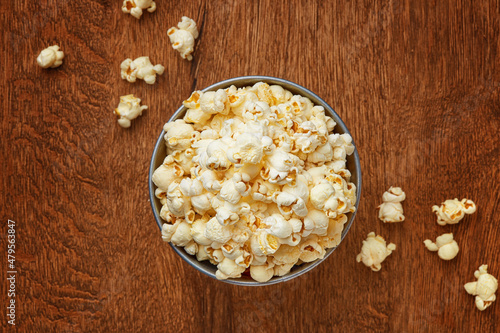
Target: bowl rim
243, 81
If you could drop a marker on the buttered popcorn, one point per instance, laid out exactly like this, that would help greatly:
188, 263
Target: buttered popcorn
137, 7
453, 211
183, 37
446, 246
484, 288
391, 210
51, 57
374, 251
259, 178
140, 68
128, 109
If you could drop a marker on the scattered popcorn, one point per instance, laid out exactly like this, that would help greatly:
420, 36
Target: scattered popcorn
391, 209
128, 109
484, 288
50, 57
374, 251
136, 7
445, 245
452, 211
140, 68
238, 176
183, 37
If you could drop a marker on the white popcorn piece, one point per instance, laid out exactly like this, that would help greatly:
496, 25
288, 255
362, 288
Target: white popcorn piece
202, 253
258, 178
214, 102
212, 154
453, 211
198, 232
51, 57
178, 204
233, 189
216, 232
228, 213
183, 37
446, 246
484, 288
278, 226
167, 173
316, 222
182, 235
281, 167
311, 250
140, 68
374, 251
334, 232
191, 248
391, 209
228, 268
178, 136
168, 230
245, 259
263, 243
262, 273
137, 7
128, 109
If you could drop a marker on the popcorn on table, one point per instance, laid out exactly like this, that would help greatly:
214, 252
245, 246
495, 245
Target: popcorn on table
446, 246
140, 68
484, 288
128, 109
51, 57
452, 211
240, 175
183, 37
137, 7
391, 210
374, 251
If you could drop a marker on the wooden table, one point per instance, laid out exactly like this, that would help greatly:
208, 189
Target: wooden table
417, 84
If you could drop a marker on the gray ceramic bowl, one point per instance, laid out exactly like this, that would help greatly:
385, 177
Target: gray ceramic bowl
160, 152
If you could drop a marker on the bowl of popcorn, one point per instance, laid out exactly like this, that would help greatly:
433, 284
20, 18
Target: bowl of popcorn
254, 180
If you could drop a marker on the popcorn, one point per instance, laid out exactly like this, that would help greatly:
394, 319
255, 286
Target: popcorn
183, 37
216, 232
452, 211
263, 243
281, 167
182, 235
484, 288
228, 268
128, 109
446, 246
178, 135
374, 251
311, 250
168, 230
278, 226
262, 273
178, 204
140, 68
167, 173
136, 7
258, 179
50, 57
214, 102
391, 209
198, 232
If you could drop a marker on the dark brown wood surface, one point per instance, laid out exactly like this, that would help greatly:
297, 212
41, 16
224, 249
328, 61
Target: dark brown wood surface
417, 84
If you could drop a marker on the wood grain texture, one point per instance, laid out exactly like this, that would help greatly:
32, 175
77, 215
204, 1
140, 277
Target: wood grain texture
416, 82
